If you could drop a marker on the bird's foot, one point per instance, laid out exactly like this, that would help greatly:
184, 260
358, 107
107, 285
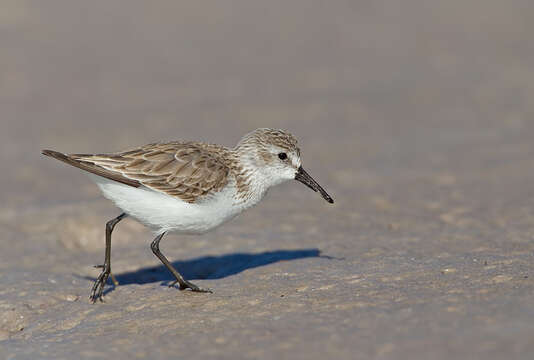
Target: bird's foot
97, 292
113, 278
184, 284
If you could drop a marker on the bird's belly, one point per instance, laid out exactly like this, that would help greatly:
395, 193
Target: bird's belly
165, 213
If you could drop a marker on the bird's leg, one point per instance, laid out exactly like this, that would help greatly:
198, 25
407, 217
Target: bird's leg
184, 284
98, 287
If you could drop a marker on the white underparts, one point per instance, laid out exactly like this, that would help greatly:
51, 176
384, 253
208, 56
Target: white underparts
164, 213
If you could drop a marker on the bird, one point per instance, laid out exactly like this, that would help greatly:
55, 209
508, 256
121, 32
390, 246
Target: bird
189, 187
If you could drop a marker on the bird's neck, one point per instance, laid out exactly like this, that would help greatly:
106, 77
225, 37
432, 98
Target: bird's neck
251, 182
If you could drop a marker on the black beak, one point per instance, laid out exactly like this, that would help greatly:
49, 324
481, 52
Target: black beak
307, 180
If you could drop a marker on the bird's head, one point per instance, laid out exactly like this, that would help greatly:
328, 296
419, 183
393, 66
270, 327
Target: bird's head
275, 154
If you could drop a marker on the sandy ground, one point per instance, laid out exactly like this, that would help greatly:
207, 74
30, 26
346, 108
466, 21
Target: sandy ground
416, 116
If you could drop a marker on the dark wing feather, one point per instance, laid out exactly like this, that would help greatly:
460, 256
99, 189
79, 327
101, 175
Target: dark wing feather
92, 168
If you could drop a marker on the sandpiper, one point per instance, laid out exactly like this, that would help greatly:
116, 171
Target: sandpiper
189, 187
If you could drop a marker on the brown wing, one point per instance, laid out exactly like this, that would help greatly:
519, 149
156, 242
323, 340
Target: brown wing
95, 169
186, 170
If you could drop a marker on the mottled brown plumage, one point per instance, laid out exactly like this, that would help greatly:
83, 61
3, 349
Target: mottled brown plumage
261, 138
187, 170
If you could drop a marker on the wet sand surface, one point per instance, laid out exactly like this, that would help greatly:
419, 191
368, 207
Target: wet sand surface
416, 116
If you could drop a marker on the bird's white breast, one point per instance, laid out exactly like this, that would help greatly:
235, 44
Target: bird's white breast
163, 213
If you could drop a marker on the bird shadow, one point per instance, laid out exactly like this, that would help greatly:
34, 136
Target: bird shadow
213, 267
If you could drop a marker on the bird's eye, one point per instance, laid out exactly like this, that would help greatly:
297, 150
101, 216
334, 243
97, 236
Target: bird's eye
282, 156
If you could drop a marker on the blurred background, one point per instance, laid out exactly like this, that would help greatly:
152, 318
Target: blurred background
365, 85
417, 116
